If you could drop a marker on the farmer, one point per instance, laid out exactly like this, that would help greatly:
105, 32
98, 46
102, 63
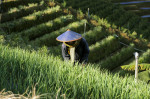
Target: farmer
74, 40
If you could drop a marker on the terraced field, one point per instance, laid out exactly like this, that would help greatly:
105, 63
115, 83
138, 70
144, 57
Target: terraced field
41, 27
37, 23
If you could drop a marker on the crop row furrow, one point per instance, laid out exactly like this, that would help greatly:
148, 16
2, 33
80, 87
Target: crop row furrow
31, 20
133, 22
47, 27
15, 13
115, 14
123, 18
15, 3
94, 35
103, 48
117, 59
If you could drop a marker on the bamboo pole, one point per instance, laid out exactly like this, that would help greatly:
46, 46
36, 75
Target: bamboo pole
72, 54
136, 66
84, 29
89, 13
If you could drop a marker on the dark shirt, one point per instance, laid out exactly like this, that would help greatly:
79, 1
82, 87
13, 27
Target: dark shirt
81, 52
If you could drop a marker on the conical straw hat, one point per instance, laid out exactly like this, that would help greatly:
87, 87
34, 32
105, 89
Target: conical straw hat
69, 36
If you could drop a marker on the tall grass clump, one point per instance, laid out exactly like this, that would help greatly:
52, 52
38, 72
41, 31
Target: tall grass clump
22, 68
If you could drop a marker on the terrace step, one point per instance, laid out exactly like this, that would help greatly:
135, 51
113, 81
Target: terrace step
5, 6
21, 11
103, 48
45, 28
32, 20
118, 58
98, 33
50, 39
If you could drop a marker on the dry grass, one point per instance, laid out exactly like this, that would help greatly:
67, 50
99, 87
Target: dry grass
31, 95
10, 95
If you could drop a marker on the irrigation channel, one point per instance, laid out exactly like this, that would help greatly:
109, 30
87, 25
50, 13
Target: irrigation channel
141, 8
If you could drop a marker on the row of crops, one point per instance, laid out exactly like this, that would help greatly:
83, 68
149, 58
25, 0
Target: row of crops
22, 10
40, 27
115, 14
21, 69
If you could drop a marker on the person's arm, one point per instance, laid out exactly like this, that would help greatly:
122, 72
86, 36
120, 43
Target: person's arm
86, 51
65, 54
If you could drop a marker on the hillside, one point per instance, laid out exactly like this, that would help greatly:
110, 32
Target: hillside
32, 24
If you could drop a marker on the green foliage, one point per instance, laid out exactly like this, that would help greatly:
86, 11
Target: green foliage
56, 50
2, 39
80, 14
104, 22
116, 60
103, 48
64, 3
31, 20
23, 68
123, 19
141, 67
114, 13
43, 50
50, 39
134, 35
20, 69
47, 27
97, 33
7, 5
145, 76
145, 58
24, 11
